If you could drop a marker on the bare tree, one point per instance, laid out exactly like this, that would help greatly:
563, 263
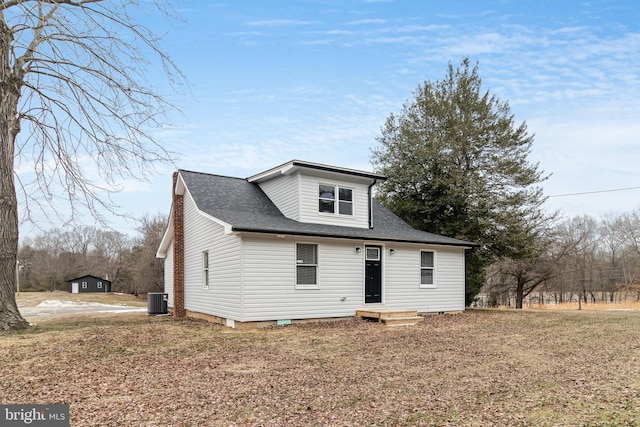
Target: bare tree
76, 108
521, 276
617, 258
629, 231
49, 260
148, 272
45, 261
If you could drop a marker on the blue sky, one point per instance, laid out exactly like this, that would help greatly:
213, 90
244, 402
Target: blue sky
315, 80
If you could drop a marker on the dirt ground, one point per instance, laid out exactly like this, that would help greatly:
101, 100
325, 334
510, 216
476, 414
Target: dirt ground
479, 368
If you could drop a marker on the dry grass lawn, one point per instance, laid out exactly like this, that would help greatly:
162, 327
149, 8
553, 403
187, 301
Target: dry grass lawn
32, 299
479, 368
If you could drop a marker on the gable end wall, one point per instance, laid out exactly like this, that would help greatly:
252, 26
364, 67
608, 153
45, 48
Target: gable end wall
223, 296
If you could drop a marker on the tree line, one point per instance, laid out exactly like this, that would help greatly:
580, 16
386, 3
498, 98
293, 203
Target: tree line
458, 164
585, 260
48, 260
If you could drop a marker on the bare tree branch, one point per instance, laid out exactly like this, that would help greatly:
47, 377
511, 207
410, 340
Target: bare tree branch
78, 109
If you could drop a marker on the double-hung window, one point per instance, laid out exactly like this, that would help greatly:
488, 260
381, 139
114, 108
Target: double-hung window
306, 265
427, 269
99, 285
335, 200
205, 269
84, 285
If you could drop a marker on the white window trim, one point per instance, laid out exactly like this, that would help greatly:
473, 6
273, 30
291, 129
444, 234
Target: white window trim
378, 251
316, 265
84, 285
336, 201
99, 285
435, 263
205, 269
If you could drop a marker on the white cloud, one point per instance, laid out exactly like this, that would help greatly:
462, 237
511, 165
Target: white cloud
279, 23
367, 21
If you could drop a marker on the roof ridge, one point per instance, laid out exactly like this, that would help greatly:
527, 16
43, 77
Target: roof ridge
212, 174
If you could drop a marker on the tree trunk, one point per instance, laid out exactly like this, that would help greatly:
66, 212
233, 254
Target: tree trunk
10, 317
579, 300
519, 295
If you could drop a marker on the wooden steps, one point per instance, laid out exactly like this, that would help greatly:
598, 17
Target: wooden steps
391, 316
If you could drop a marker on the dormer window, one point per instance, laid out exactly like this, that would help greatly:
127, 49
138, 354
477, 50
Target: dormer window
329, 203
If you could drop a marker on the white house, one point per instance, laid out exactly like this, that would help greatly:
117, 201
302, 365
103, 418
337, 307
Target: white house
300, 241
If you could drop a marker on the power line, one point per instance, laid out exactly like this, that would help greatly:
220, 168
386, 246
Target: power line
596, 192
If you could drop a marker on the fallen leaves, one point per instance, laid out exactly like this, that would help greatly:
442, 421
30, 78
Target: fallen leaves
480, 368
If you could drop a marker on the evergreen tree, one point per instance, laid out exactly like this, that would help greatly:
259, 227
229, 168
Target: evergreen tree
457, 165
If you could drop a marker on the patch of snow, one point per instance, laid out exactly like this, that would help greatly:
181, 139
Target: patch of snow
99, 304
128, 310
58, 303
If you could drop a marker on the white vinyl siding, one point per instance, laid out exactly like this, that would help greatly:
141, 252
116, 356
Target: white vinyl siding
270, 291
403, 279
284, 192
296, 196
168, 275
203, 234
309, 202
270, 280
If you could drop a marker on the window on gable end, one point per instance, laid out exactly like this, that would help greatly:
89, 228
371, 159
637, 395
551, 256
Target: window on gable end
205, 269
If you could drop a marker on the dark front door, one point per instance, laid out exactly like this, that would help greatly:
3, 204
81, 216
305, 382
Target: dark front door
373, 274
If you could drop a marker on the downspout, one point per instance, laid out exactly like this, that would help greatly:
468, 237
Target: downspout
371, 202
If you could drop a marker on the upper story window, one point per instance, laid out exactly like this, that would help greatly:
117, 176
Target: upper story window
334, 199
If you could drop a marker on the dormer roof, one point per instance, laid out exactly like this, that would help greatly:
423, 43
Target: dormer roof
297, 165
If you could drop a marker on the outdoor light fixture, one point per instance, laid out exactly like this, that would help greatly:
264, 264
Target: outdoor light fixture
392, 251
357, 248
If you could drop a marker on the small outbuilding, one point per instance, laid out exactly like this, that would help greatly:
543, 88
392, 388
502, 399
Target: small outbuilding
89, 284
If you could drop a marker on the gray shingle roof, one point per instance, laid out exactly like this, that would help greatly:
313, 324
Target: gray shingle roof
246, 207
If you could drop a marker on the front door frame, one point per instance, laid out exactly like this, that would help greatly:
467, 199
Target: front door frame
373, 284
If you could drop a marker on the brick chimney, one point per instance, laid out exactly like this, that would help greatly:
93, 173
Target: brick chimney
178, 250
